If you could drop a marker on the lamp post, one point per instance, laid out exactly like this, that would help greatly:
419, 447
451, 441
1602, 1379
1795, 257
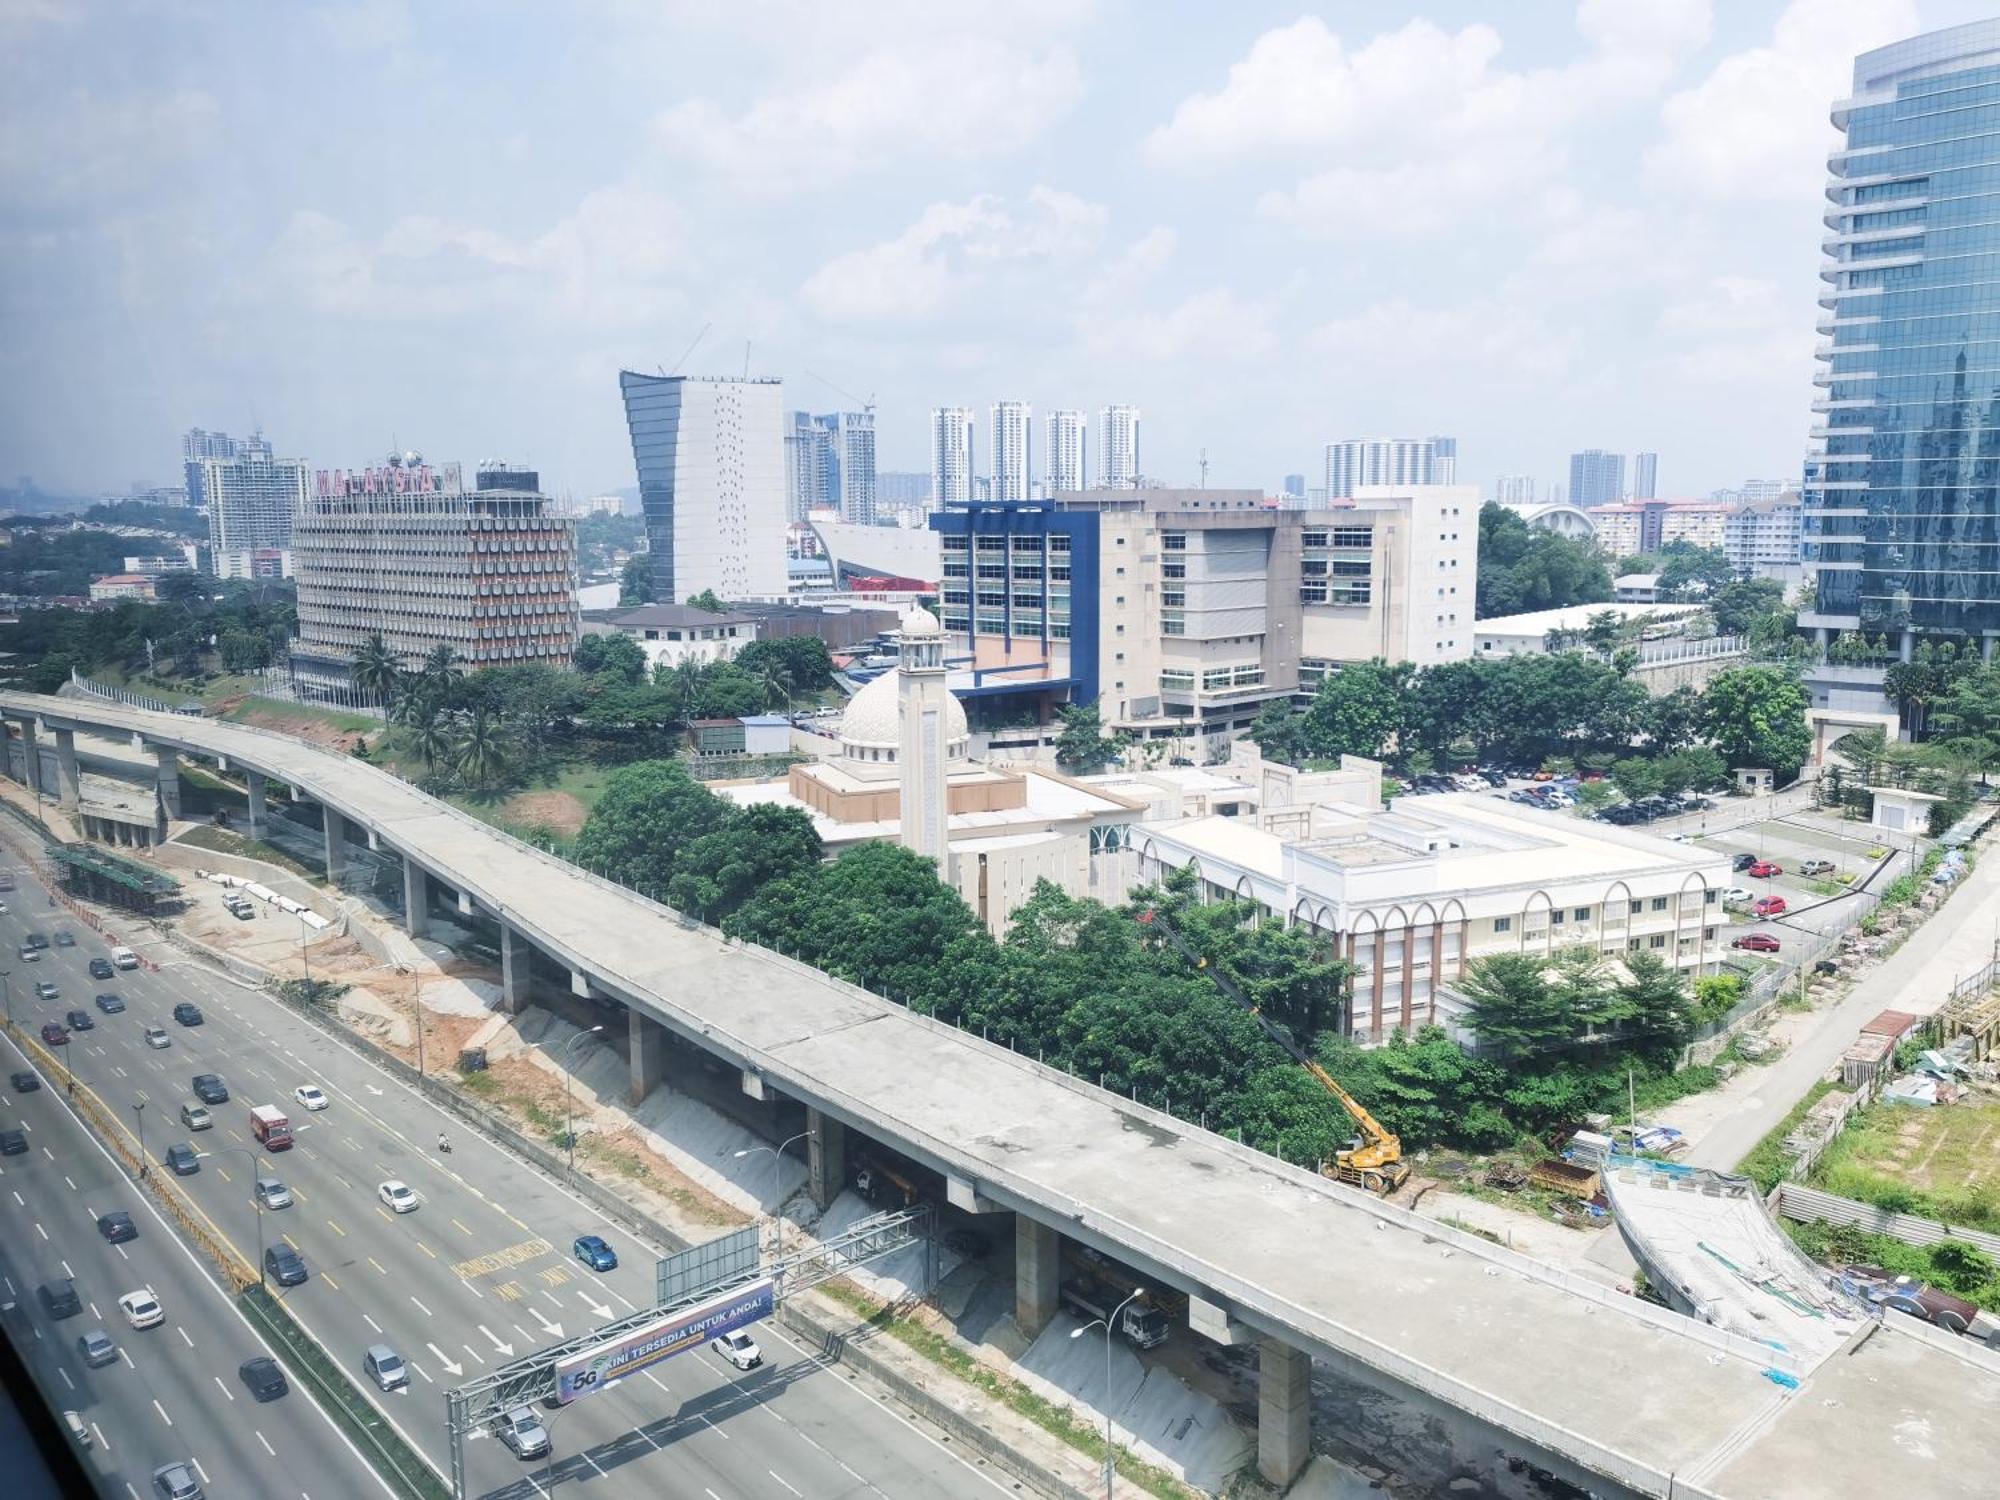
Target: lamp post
6, 985
305, 954
569, 1106
1110, 1452
139, 1113
256, 1202
777, 1159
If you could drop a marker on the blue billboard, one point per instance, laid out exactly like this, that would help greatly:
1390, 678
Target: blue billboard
591, 1370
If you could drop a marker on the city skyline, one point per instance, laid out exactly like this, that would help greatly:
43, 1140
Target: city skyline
1193, 281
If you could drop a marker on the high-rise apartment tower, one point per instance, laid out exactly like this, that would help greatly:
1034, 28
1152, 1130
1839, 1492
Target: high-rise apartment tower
1067, 452
1013, 449
1118, 447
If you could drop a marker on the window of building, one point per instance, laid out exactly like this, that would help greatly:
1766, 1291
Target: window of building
1503, 924
1583, 914
1353, 536
1657, 940
1659, 904
1171, 541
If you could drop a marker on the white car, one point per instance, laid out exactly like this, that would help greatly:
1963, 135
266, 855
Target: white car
399, 1196
311, 1096
142, 1308
738, 1348
1738, 894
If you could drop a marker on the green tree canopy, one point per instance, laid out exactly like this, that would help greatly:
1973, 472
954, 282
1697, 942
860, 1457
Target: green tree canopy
1757, 717
1357, 710
613, 652
1083, 746
1523, 568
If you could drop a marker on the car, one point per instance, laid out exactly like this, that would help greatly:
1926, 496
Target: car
65, 938
197, 1117
594, 1252
285, 1265
25, 1082
46, 989
13, 1143
111, 1005
156, 1037
264, 1376
1492, 777
272, 1193
181, 1157
1763, 869
1816, 867
59, 1298
188, 1013
117, 1226
38, 940
311, 1096
175, 1481
100, 968
385, 1367
1741, 862
54, 1034
142, 1308
210, 1089
738, 1348
522, 1431
81, 1020
1737, 893
29, 955
1757, 942
1769, 906
96, 1348
398, 1196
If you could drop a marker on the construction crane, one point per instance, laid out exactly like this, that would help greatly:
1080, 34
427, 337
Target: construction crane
867, 406
1374, 1159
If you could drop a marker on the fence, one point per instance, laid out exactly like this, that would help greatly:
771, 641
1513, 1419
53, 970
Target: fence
276, 682
113, 694
1809, 1205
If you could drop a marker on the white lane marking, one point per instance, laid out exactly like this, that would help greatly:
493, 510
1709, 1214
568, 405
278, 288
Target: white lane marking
201, 1471
68, 1179
476, 1355
71, 1275
128, 1360
121, 1251
223, 1388
102, 1441
162, 1411
65, 1377
266, 1442
38, 1228
714, 1429
656, 1380
120, 1071
184, 1335
371, 1322
421, 1308
20, 1201
423, 1372
782, 1480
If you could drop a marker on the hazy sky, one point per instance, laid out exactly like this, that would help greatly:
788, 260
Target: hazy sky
1536, 226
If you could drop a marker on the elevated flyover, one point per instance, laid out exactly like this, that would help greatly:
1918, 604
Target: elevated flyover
1512, 1364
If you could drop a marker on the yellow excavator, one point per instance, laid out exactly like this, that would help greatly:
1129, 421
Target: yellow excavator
1374, 1159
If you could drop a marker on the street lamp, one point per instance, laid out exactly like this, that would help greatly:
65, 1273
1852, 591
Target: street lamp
305, 954
777, 1160
139, 1113
256, 1202
1110, 1452
569, 1105
7, 986
416, 1016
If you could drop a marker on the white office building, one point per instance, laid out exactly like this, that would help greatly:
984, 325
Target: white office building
710, 455
251, 496
1515, 489
1645, 476
1362, 463
1066, 455
1013, 449
951, 455
1117, 447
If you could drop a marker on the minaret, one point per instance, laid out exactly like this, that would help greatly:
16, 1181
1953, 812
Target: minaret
922, 699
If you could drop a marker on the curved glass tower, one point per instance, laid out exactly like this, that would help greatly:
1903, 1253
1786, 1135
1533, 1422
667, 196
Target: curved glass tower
1902, 487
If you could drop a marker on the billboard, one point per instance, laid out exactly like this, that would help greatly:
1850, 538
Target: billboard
591, 1370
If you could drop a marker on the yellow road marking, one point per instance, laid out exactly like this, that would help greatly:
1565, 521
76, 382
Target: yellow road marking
336, 1229
509, 1291
384, 1213
298, 1195
427, 1250
501, 1260
556, 1275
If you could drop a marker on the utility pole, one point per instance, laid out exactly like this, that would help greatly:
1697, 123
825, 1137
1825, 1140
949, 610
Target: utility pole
1204, 469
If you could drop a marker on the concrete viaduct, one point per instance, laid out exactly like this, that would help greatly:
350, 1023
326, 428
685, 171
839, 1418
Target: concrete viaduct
1515, 1366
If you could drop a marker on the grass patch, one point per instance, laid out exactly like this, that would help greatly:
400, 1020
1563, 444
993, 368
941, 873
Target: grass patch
222, 841
1940, 1163
1952, 1265
1766, 1162
254, 706
1060, 1421
481, 1084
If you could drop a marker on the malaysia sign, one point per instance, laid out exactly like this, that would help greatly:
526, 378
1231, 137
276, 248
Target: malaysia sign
591, 1370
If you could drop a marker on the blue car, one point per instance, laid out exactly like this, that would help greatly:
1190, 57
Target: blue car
593, 1252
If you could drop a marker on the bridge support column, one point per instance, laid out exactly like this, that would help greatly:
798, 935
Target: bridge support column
336, 842
259, 818
1037, 1274
826, 1157
515, 957
31, 758
645, 1052
68, 784
168, 760
1284, 1410
416, 898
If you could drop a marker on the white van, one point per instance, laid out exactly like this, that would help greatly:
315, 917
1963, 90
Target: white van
124, 958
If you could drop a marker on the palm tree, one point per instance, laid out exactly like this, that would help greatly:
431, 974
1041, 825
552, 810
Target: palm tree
683, 684
375, 669
442, 663
412, 700
480, 747
777, 680
431, 736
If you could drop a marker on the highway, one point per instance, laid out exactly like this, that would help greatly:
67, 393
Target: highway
482, 1271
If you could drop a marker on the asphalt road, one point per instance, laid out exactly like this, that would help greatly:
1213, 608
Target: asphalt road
174, 1392
481, 1272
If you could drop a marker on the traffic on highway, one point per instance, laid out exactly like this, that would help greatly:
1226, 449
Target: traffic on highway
417, 1254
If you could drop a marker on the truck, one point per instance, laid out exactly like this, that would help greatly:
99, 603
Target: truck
884, 1187
269, 1125
124, 958
1140, 1324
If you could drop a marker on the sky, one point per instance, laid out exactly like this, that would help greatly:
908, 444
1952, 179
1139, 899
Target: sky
1535, 226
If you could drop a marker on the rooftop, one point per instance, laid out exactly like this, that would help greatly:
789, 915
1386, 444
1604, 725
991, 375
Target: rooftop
1573, 617
663, 616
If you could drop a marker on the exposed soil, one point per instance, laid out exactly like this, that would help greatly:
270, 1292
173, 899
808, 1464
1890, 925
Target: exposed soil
304, 726
561, 812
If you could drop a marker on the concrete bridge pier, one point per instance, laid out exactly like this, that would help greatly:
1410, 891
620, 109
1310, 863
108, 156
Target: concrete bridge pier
259, 818
416, 898
645, 1052
1037, 1274
826, 1157
31, 757
1284, 1410
69, 785
169, 777
336, 843
516, 956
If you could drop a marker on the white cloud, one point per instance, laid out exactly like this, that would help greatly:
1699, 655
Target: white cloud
83, 146
1209, 326
1757, 126
951, 96
1445, 344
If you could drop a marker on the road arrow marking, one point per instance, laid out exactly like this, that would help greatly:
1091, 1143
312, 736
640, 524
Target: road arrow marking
596, 1307
553, 1330
373, 1090
506, 1349
452, 1367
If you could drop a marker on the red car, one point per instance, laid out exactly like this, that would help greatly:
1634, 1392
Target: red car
1768, 906
1757, 942
54, 1034
1763, 869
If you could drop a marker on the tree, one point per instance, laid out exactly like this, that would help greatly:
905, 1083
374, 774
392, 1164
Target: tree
635, 580
480, 746
1690, 572
1523, 568
375, 669
705, 600
1279, 731
613, 652
1637, 777
1514, 1009
650, 812
1757, 717
179, 588
1672, 721
431, 737
1357, 710
1082, 746
441, 665
1654, 1006
1967, 717
1602, 631
728, 692
1741, 602
717, 872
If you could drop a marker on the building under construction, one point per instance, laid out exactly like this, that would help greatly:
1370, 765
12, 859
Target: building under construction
95, 874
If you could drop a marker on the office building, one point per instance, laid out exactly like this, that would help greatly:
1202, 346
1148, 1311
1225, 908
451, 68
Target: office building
1117, 447
830, 465
951, 455
710, 455
493, 474
405, 552
1180, 612
1068, 468
251, 496
1761, 538
1902, 497
1645, 476
1360, 463
1013, 450
1514, 489
1596, 478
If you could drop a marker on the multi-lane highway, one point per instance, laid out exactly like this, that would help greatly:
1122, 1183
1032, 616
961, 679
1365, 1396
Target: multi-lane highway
481, 1271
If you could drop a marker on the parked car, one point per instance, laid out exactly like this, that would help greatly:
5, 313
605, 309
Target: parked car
738, 1348
100, 968
592, 1250
1763, 869
1741, 863
1757, 942
1769, 906
111, 1005
188, 1013
1816, 867
1737, 894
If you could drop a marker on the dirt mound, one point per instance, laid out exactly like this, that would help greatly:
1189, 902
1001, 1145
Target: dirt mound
560, 812
304, 726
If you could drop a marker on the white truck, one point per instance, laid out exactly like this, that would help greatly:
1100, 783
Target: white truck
1141, 1326
124, 958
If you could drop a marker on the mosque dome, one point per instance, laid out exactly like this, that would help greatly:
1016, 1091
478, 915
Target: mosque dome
871, 728
920, 621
